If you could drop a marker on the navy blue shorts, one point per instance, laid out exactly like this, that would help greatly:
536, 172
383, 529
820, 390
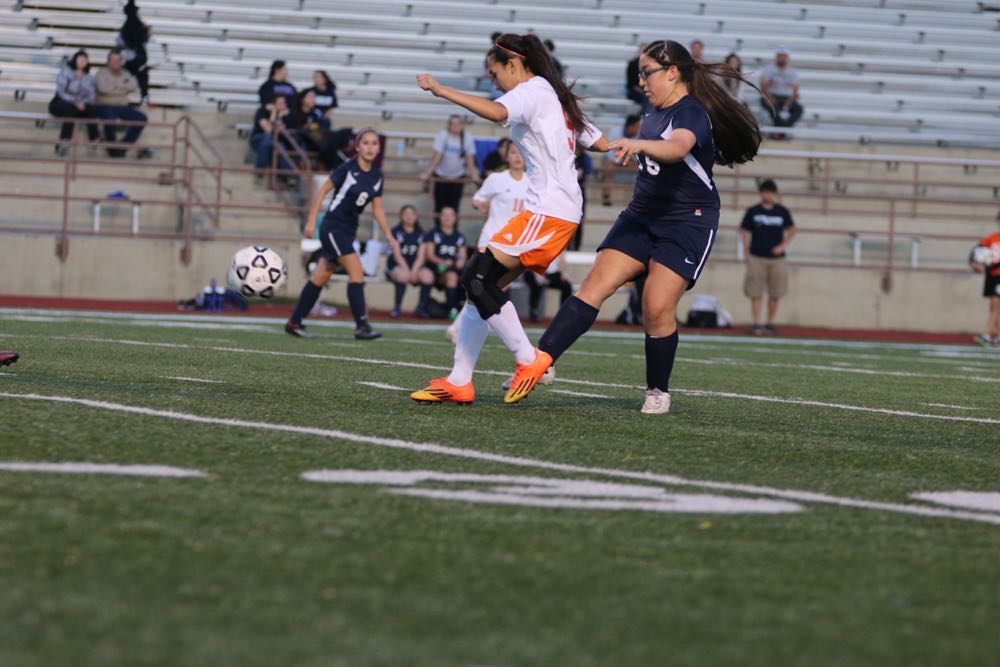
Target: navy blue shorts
390, 265
992, 286
336, 241
681, 244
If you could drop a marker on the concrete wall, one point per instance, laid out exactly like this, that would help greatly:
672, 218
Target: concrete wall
111, 268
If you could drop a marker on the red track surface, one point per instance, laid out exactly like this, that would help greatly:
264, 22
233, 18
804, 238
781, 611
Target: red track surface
285, 309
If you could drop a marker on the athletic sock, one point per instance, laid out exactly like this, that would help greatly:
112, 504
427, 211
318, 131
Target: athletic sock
356, 299
507, 326
472, 333
307, 299
451, 296
425, 297
660, 353
575, 317
400, 291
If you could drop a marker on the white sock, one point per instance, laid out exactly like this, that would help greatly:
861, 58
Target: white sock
507, 325
472, 333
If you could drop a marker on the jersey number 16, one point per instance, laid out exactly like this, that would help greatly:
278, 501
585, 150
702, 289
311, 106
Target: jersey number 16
651, 167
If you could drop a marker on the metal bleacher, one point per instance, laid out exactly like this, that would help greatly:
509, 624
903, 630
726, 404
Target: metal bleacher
894, 71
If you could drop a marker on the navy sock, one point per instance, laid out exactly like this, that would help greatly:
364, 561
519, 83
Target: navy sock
307, 299
451, 296
356, 298
425, 297
660, 353
572, 321
400, 291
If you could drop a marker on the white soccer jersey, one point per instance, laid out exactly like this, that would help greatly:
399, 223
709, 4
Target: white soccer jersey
538, 126
506, 197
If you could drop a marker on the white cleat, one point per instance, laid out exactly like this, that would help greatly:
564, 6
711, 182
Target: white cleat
547, 378
451, 333
657, 402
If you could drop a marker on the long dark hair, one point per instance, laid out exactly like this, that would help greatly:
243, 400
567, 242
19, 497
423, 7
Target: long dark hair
734, 128
275, 66
71, 63
326, 77
537, 60
416, 223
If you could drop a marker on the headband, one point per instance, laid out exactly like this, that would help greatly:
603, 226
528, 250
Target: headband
510, 51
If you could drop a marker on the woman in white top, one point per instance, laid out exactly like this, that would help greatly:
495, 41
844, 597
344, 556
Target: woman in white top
545, 123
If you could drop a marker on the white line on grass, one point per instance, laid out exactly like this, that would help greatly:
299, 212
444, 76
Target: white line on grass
566, 392
380, 385
187, 379
522, 462
723, 361
84, 468
609, 385
952, 407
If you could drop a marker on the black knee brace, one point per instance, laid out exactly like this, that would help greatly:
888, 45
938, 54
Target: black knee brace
481, 282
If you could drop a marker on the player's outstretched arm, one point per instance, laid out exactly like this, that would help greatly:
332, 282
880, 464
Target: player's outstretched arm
480, 106
378, 211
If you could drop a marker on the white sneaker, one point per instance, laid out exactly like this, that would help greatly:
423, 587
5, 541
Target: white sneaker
657, 402
547, 378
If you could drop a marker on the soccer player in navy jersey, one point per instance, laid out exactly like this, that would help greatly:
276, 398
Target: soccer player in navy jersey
410, 238
445, 254
668, 228
355, 183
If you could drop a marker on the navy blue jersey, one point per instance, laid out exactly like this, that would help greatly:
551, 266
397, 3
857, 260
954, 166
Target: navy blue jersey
767, 228
445, 245
409, 244
352, 190
677, 189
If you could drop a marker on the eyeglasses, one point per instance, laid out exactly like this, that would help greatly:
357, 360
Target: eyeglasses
646, 73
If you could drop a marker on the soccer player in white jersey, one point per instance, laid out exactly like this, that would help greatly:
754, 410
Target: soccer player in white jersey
545, 121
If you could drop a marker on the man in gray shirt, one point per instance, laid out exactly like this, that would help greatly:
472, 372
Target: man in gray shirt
779, 84
114, 84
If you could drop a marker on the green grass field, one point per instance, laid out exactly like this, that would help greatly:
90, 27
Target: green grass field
769, 519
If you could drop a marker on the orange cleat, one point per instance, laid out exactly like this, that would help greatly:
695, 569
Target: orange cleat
440, 390
527, 376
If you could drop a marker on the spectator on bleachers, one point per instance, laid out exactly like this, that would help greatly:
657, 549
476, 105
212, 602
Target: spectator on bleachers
454, 159
779, 87
325, 91
114, 84
550, 46
611, 171
277, 85
74, 98
313, 129
265, 121
497, 158
132, 40
485, 82
697, 50
633, 90
765, 232
735, 87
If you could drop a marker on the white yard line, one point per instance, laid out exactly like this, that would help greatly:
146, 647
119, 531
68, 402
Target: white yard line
949, 406
566, 392
522, 462
561, 379
83, 468
187, 379
380, 385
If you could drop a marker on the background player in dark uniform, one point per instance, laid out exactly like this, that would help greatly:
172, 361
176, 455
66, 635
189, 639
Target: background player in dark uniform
985, 259
410, 238
766, 231
354, 183
668, 228
445, 255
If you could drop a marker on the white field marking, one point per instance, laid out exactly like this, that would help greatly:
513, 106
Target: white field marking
566, 392
84, 468
551, 492
522, 462
952, 407
564, 380
6, 373
379, 385
584, 353
982, 501
187, 379
420, 341
229, 325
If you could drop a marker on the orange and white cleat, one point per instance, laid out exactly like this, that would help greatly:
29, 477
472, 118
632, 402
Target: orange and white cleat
527, 376
439, 390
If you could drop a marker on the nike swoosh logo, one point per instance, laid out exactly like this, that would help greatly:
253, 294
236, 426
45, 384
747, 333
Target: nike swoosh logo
688, 261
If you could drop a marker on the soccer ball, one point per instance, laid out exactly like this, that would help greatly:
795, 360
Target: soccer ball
257, 271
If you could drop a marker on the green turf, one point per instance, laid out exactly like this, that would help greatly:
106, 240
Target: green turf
255, 566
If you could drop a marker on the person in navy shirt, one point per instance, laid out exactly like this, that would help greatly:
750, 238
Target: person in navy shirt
445, 255
355, 184
410, 238
668, 228
766, 231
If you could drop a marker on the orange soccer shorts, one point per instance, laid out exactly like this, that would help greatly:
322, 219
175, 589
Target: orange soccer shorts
534, 238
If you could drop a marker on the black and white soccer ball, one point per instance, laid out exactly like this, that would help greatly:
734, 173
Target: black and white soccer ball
257, 271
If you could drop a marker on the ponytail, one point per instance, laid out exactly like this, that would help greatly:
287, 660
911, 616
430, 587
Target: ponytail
536, 59
734, 128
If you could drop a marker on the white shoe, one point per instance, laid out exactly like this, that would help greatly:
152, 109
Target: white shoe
548, 377
451, 333
657, 402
